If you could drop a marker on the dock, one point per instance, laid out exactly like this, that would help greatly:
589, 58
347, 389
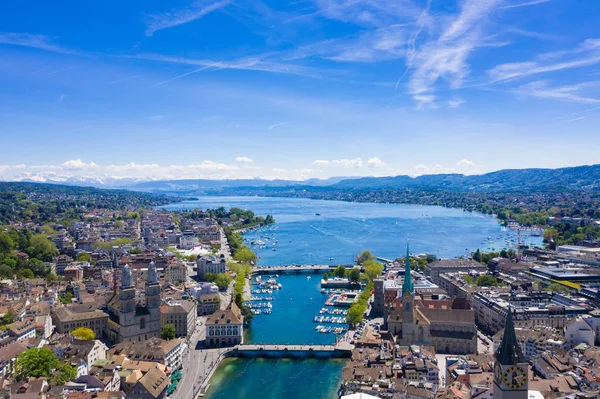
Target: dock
295, 269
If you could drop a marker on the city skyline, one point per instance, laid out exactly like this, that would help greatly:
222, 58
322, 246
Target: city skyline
226, 89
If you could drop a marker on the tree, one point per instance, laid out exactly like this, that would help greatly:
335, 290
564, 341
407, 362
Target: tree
486, 281
222, 280
245, 255
36, 362
25, 274
63, 374
85, 334
40, 247
373, 269
6, 243
355, 275
6, 271
84, 257
66, 298
8, 318
555, 287
364, 256
355, 316
168, 332
339, 271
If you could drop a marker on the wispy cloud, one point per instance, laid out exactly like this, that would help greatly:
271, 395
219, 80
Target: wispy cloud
40, 42
544, 89
586, 54
576, 119
348, 163
156, 22
276, 125
215, 65
321, 162
244, 160
61, 98
157, 117
524, 4
455, 102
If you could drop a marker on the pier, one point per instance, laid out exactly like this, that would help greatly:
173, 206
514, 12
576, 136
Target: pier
295, 269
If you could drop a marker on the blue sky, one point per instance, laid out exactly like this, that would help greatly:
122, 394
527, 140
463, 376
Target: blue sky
296, 89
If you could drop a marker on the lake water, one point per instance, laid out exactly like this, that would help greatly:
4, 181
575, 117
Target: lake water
344, 229
340, 231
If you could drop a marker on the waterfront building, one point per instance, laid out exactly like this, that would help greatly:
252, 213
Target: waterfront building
448, 325
181, 314
511, 370
225, 327
129, 320
211, 265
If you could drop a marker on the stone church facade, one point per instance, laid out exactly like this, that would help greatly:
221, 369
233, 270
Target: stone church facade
130, 321
448, 325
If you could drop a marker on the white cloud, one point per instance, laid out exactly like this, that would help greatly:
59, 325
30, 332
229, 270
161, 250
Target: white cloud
244, 160
61, 98
465, 163
374, 162
421, 166
77, 164
158, 22
321, 162
349, 163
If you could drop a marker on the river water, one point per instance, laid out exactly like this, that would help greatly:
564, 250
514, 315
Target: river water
329, 232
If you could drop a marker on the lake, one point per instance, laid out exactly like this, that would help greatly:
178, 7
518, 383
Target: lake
334, 232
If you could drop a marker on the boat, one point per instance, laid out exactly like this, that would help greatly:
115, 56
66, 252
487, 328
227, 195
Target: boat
307, 277
317, 214
330, 258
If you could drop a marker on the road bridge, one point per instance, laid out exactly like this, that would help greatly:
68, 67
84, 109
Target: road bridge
295, 269
295, 351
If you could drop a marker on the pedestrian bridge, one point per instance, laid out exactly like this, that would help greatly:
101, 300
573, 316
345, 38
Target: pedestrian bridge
295, 269
294, 351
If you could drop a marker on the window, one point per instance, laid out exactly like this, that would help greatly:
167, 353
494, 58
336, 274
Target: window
142, 323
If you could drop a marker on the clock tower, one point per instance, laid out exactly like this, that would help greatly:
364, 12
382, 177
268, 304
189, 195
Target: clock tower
510, 369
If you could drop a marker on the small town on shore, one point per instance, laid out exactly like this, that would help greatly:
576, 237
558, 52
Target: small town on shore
146, 303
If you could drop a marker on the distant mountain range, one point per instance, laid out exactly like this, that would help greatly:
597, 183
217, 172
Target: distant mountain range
573, 178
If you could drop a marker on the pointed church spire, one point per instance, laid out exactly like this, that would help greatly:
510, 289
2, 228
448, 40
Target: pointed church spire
407, 285
509, 352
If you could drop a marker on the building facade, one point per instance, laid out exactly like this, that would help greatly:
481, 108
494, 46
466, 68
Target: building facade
129, 320
225, 327
211, 265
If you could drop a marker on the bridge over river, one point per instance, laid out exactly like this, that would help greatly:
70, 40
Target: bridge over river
341, 350
295, 269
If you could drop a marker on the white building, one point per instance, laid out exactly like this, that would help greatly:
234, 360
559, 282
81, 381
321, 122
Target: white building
224, 327
188, 240
577, 332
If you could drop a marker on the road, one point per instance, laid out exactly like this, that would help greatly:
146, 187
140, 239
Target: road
225, 247
198, 364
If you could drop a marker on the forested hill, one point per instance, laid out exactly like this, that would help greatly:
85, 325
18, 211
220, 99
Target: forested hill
40, 203
579, 177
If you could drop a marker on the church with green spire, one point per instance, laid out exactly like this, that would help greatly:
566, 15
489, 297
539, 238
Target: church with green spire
447, 324
511, 370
